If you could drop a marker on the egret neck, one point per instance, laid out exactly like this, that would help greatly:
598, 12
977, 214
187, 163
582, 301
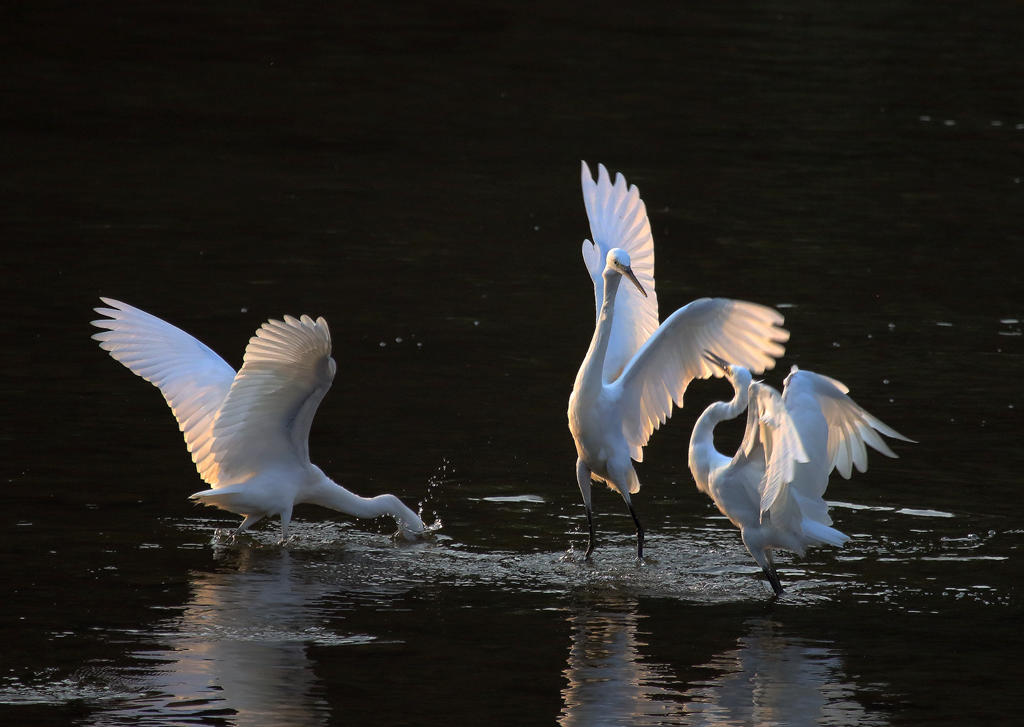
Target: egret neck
590, 379
704, 458
328, 493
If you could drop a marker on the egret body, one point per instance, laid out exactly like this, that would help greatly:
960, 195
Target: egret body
248, 432
635, 369
772, 489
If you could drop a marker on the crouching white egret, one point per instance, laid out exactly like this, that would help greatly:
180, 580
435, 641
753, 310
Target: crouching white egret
635, 369
772, 488
248, 432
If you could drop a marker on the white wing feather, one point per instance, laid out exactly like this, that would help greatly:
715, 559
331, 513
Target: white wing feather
746, 334
850, 427
193, 379
781, 445
267, 414
618, 218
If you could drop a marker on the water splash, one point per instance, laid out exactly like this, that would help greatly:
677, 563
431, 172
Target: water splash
432, 499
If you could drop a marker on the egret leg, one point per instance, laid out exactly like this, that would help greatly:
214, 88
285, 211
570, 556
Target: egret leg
286, 518
773, 578
583, 478
763, 556
626, 481
639, 531
249, 521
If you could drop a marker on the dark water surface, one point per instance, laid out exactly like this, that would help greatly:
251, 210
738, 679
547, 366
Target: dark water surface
410, 172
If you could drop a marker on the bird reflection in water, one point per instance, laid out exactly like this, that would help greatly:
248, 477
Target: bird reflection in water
768, 678
609, 683
773, 678
238, 652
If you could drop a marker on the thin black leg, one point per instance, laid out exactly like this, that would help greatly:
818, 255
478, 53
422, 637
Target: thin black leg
773, 578
590, 543
639, 532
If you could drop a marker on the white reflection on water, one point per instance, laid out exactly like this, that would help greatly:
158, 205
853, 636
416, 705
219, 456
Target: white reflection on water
773, 678
608, 681
769, 678
238, 652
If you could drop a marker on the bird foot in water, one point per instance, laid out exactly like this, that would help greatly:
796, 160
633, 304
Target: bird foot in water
773, 577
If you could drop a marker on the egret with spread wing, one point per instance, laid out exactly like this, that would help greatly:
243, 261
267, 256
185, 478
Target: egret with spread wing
248, 432
636, 369
772, 488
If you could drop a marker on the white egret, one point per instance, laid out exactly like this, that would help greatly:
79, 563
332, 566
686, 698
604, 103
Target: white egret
772, 488
635, 369
248, 432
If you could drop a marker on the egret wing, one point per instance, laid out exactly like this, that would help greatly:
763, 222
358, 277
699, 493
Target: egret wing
746, 334
267, 414
850, 427
618, 218
780, 442
193, 379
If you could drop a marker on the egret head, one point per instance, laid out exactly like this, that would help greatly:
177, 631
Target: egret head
792, 371
730, 371
618, 260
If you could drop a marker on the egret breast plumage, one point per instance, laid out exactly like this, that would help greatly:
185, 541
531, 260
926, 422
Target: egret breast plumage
636, 369
772, 489
248, 432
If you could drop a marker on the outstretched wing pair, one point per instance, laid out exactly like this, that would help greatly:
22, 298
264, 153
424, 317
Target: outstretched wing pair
654, 364
794, 440
233, 424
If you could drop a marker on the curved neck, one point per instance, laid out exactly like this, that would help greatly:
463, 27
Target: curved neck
591, 373
329, 493
703, 455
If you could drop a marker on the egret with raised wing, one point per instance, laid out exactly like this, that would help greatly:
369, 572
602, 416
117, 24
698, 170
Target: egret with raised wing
635, 370
248, 432
772, 488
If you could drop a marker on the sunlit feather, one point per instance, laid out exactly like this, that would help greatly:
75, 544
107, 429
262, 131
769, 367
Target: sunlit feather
773, 488
635, 371
248, 432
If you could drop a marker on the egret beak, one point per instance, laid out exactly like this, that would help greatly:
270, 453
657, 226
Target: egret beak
628, 272
715, 360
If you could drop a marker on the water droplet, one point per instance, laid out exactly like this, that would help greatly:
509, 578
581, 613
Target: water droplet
398, 339
383, 344
835, 344
892, 326
885, 381
476, 323
949, 122
244, 309
924, 118
996, 122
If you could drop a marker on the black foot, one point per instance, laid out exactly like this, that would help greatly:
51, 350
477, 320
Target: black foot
773, 578
639, 532
591, 541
